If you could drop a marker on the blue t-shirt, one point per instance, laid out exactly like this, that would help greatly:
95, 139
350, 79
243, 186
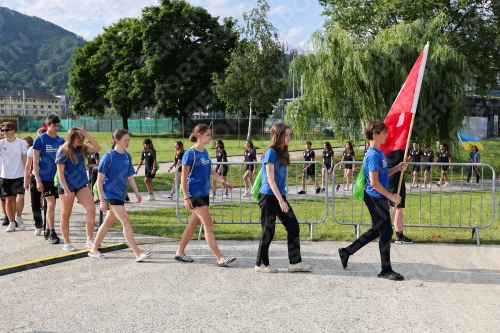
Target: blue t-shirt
280, 173
116, 168
474, 156
75, 174
48, 149
199, 174
375, 161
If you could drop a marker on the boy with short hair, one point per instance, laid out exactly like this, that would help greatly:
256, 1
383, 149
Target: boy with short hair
377, 198
45, 148
309, 168
12, 158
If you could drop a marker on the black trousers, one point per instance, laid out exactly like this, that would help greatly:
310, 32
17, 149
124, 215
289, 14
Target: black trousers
381, 229
270, 209
476, 171
35, 205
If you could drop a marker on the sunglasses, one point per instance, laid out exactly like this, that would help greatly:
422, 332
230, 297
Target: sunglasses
7, 129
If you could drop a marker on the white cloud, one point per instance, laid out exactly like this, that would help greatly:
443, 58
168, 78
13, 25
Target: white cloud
294, 32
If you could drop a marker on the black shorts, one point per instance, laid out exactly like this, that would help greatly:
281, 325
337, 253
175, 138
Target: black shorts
428, 167
224, 169
200, 201
60, 190
250, 167
393, 188
348, 166
49, 189
327, 167
311, 172
115, 202
415, 168
444, 168
149, 173
12, 187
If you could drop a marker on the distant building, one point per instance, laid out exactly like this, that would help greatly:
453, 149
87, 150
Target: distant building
38, 104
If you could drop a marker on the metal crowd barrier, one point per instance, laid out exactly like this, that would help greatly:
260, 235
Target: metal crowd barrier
310, 209
432, 207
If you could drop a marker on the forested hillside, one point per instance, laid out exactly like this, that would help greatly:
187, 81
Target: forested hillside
33, 51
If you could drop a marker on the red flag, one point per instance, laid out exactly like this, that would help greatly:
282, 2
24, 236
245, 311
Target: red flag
44, 126
398, 119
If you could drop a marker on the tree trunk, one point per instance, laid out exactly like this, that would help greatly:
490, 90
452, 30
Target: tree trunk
125, 122
249, 122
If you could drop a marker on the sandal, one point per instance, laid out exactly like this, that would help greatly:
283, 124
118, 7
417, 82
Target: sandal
183, 258
393, 276
97, 255
144, 255
227, 260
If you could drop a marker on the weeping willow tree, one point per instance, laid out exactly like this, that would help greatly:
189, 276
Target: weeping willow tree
348, 81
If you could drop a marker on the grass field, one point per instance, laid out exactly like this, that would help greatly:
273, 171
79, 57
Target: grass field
165, 223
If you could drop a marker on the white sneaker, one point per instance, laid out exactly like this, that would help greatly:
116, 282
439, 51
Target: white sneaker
300, 267
212, 195
346, 188
11, 227
168, 196
2, 216
466, 184
477, 184
38, 232
150, 197
246, 194
424, 186
265, 269
89, 243
225, 196
68, 247
438, 183
20, 223
446, 184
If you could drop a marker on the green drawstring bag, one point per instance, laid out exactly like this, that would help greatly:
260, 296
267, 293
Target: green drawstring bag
359, 188
56, 180
256, 186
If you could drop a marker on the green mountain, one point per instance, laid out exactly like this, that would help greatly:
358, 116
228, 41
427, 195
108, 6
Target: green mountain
33, 51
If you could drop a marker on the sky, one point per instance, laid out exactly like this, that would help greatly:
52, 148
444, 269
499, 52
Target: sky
295, 20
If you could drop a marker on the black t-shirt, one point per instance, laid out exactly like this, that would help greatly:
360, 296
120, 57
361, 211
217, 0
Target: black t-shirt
221, 155
178, 157
327, 157
309, 155
348, 155
428, 156
416, 155
443, 156
150, 157
250, 155
394, 158
92, 158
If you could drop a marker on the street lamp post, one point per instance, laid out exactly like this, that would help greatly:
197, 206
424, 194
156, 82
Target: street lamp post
293, 53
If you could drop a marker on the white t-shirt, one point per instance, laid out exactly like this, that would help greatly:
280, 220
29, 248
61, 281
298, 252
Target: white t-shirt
11, 158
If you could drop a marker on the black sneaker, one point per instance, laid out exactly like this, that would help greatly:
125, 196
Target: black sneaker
344, 257
97, 201
5, 222
46, 234
127, 199
318, 190
338, 187
302, 192
53, 239
403, 240
323, 190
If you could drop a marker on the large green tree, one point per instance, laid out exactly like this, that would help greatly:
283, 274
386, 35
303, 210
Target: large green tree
350, 80
471, 27
184, 45
107, 73
255, 77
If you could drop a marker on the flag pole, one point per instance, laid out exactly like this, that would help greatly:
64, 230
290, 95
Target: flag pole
459, 138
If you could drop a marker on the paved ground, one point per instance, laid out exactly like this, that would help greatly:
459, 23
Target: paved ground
448, 288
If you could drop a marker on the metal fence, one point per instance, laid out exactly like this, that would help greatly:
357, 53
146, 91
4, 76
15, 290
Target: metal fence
456, 206
309, 209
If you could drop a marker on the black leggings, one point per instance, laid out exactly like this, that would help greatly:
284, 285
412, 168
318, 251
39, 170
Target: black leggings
35, 205
381, 229
270, 209
470, 174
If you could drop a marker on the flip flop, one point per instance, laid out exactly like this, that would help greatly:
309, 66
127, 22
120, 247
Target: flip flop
227, 261
183, 259
97, 255
144, 255
393, 276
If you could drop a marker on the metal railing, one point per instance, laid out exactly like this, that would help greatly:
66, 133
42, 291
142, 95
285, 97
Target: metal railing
310, 209
456, 205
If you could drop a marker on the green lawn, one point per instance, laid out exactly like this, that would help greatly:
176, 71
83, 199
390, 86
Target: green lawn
165, 223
